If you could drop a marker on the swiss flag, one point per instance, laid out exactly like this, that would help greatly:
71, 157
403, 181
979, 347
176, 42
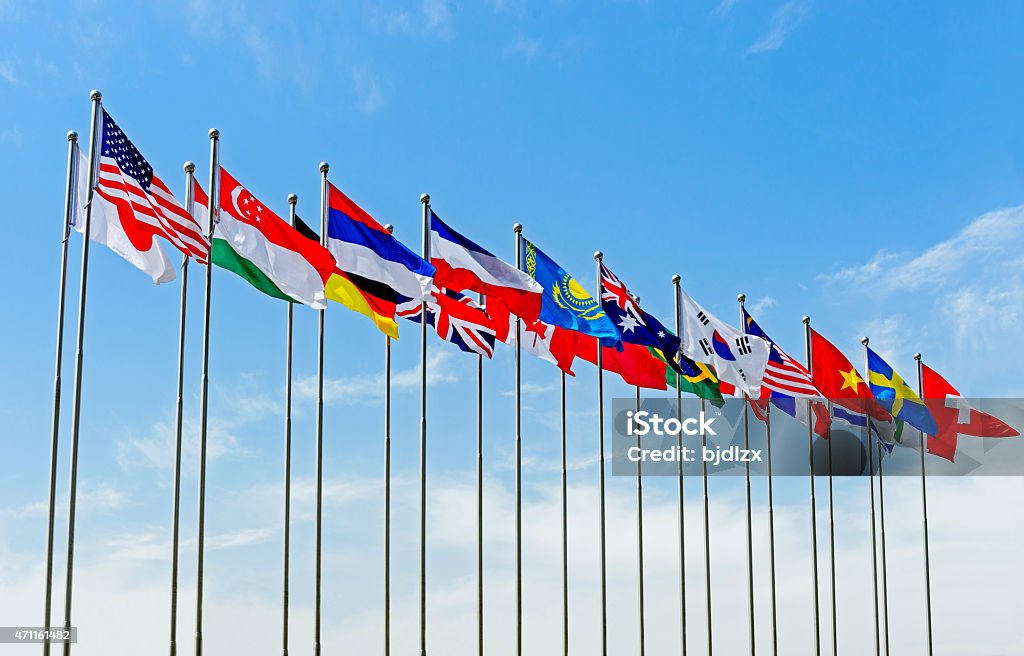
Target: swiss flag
955, 418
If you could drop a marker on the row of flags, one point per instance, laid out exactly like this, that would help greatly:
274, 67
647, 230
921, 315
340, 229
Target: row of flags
362, 266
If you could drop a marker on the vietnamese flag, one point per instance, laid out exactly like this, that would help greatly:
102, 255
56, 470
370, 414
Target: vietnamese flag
955, 418
839, 381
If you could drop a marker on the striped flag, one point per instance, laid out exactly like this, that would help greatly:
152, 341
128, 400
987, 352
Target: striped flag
786, 380
132, 205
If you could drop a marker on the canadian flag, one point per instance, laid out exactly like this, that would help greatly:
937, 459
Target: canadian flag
954, 416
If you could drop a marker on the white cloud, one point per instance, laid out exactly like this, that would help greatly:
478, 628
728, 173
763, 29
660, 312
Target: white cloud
433, 19
784, 20
7, 72
438, 17
761, 306
369, 388
724, 8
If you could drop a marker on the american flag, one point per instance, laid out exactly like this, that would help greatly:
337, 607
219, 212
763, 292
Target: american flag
786, 380
145, 206
457, 319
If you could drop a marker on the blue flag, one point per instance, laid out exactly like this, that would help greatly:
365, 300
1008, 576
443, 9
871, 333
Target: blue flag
565, 303
897, 397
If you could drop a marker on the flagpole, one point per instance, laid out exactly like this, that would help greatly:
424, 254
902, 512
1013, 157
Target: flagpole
204, 387
387, 485
598, 256
885, 576
518, 230
679, 442
319, 529
69, 209
741, 298
924, 508
832, 541
480, 497
286, 546
178, 423
707, 534
76, 408
871, 475
565, 533
813, 505
640, 533
425, 201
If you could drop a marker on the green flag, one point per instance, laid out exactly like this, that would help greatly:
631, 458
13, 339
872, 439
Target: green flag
704, 384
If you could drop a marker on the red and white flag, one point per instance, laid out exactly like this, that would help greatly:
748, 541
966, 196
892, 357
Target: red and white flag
954, 416
131, 206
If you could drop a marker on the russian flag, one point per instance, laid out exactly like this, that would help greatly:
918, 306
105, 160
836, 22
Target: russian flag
463, 265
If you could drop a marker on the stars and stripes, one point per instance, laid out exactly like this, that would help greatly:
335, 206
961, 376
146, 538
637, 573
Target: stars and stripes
145, 205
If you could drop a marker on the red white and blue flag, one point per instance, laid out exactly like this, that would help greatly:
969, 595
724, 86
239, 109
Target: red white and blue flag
785, 381
463, 265
132, 205
457, 319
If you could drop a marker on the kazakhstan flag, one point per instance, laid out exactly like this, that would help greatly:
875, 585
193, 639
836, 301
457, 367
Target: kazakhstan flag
897, 397
565, 303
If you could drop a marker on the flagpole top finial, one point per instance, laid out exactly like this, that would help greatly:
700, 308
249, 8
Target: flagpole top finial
214, 133
390, 228
676, 279
95, 95
189, 167
72, 135
864, 341
292, 199
518, 228
324, 167
807, 320
742, 298
917, 356
425, 199
598, 255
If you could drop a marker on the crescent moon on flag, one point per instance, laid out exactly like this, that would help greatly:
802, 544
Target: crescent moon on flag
235, 193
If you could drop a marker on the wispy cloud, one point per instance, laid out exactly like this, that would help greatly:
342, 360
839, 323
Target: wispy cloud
7, 72
369, 388
433, 19
367, 89
784, 20
525, 47
761, 306
724, 8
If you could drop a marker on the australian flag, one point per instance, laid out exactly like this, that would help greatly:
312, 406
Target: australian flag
636, 326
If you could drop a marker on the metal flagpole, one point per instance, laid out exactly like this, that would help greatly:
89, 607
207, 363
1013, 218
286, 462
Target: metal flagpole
640, 534
885, 577
814, 512
598, 256
924, 508
425, 201
286, 546
518, 229
178, 423
76, 408
750, 532
319, 530
69, 209
204, 388
480, 498
565, 533
679, 442
874, 550
707, 535
832, 540
387, 486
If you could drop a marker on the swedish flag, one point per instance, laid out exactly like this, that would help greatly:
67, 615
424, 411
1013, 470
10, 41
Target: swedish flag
897, 397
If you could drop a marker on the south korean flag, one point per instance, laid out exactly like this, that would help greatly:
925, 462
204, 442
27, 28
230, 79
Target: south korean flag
739, 359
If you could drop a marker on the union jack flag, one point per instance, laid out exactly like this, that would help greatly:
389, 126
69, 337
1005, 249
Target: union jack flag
145, 205
457, 319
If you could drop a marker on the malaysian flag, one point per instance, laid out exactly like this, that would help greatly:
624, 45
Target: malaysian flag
457, 319
131, 205
786, 380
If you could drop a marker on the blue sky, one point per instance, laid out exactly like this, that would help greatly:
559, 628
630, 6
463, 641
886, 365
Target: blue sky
863, 164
